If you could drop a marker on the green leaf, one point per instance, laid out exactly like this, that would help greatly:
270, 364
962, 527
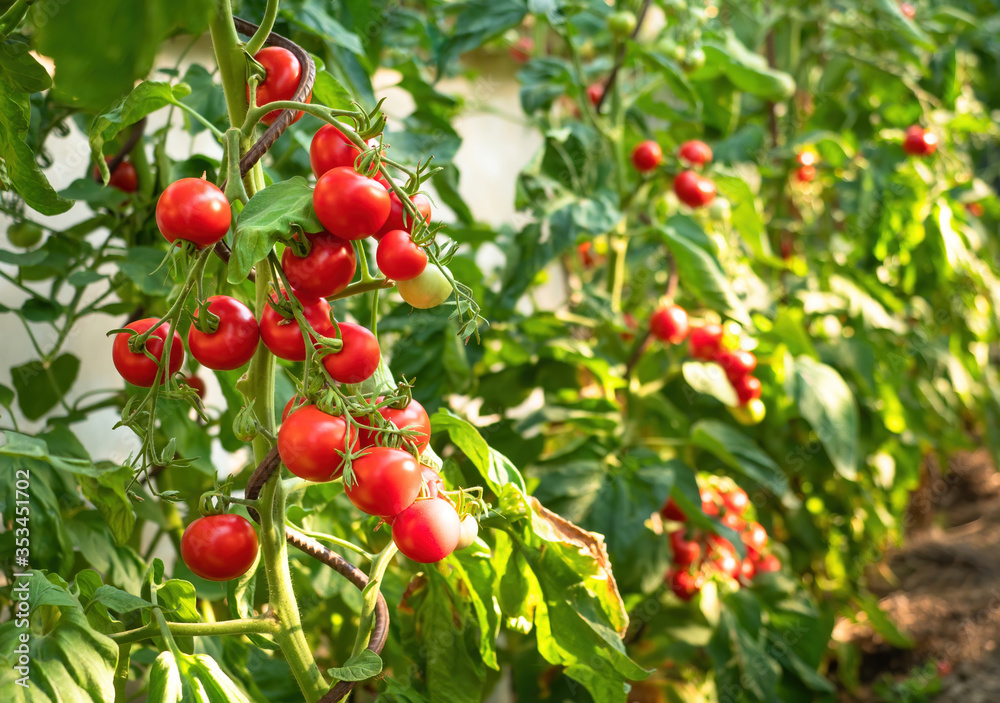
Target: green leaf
146, 98
745, 217
328, 91
701, 274
827, 404
20, 70
107, 493
18, 160
190, 677
315, 18
178, 597
207, 99
708, 378
477, 22
358, 668
118, 600
40, 385
82, 279
70, 661
494, 467
881, 623
272, 215
746, 70
542, 81
40, 310
6, 395
99, 61
741, 453
142, 266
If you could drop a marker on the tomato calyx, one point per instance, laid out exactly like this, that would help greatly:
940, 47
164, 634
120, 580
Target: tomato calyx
205, 320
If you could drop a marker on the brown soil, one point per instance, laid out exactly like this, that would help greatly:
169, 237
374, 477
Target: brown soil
942, 588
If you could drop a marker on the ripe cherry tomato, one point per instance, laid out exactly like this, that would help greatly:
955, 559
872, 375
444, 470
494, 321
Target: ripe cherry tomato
755, 536
194, 210
919, 142
736, 500
669, 324
197, 384
469, 532
412, 417
975, 209
124, 177
747, 388
695, 152
595, 91
733, 521
806, 158
805, 174
428, 290
736, 364
694, 190
233, 343
768, 564
309, 441
908, 10
727, 563
137, 368
330, 148
522, 49
386, 481
672, 511
350, 205
709, 501
282, 80
327, 269
219, 547
293, 404
399, 258
684, 585
399, 218
704, 341
747, 570
357, 359
686, 552
427, 531
647, 156
283, 337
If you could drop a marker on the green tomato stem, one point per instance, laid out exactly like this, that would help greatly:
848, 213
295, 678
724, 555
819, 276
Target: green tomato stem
370, 595
262, 625
266, 25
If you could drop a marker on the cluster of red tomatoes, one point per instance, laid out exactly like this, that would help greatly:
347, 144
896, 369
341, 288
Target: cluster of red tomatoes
806, 172
385, 481
698, 555
706, 343
692, 189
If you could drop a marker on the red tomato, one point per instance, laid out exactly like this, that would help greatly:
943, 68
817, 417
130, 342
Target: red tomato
283, 337
310, 442
686, 552
522, 49
736, 500
194, 210
908, 10
747, 388
694, 190
350, 205
919, 142
399, 258
386, 481
647, 156
975, 209
124, 177
325, 270
412, 417
137, 368
595, 91
704, 341
233, 343
282, 80
330, 148
427, 531
805, 174
728, 564
197, 384
219, 547
768, 564
709, 501
806, 158
733, 521
293, 404
695, 152
747, 570
672, 511
755, 536
669, 324
736, 364
684, 585
399, 218
357, 359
